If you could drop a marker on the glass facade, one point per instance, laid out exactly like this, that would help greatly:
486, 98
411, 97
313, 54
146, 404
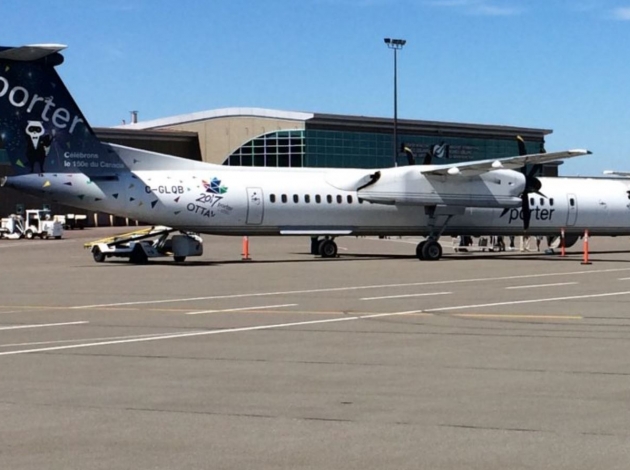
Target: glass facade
354, 149
328, 148
280, 148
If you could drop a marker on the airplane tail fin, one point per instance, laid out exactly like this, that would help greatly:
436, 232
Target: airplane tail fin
41, 127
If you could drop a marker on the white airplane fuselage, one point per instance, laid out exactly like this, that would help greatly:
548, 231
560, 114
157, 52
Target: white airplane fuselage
264, 201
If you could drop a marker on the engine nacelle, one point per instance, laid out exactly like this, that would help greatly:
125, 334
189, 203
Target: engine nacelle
409, 186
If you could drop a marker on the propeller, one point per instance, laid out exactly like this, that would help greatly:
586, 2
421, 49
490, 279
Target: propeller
410, 157
532, 184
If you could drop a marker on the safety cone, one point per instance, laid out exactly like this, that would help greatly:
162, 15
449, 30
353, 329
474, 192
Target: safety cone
585, 260
245, 254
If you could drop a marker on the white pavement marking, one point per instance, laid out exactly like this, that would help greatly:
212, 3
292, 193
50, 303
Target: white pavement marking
241, 309
543, 285
201, 333
78, 340
624, 279
531, 301
351, 288
406, 295
42, 325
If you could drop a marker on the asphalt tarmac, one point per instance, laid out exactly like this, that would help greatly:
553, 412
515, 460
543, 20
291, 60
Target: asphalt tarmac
371, 360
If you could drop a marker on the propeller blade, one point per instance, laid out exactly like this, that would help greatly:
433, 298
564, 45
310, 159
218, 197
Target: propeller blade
521, 145
427, 158
527, 213
535, 170
411, 160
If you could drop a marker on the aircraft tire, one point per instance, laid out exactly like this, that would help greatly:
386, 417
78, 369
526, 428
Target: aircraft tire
98, 255
327, 249
431, 251
179, 259
419, 248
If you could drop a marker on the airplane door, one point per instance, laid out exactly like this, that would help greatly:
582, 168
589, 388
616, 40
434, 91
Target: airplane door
255, 206
572, 210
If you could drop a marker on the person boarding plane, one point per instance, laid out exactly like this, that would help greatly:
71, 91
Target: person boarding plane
42, 128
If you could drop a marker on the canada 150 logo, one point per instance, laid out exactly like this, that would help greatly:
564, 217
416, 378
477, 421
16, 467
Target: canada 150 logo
209, 202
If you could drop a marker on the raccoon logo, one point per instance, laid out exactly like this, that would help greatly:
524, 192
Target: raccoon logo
37, 145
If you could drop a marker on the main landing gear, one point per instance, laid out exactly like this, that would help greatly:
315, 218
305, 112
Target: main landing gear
438, 218
429, 250
326, 247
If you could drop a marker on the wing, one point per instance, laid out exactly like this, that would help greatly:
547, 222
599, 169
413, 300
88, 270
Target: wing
509, 163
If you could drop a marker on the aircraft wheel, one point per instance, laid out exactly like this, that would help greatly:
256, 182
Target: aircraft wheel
98, 255
327, 249
179, 259
432, 250
419, 248
29, 235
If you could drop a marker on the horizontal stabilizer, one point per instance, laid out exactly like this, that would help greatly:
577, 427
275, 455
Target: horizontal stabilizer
624, 174
30, 53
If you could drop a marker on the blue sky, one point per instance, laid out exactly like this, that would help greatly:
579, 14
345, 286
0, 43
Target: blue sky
556, 64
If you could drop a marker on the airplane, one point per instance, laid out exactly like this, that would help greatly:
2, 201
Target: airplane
56, 155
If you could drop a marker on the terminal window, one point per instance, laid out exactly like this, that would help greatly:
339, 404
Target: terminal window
275, 149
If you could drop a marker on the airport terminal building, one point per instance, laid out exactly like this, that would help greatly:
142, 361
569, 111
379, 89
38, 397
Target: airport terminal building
266, 137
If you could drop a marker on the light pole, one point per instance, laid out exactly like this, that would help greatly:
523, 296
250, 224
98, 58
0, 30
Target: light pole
395, 44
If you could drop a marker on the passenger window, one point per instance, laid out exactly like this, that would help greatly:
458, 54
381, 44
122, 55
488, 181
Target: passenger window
572, 202
339, 199
307, 198
296, 198
318, 198
284, 198
551, 201
531, 201
360, 201
542, 202
329, 199
349, 199
272, 198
